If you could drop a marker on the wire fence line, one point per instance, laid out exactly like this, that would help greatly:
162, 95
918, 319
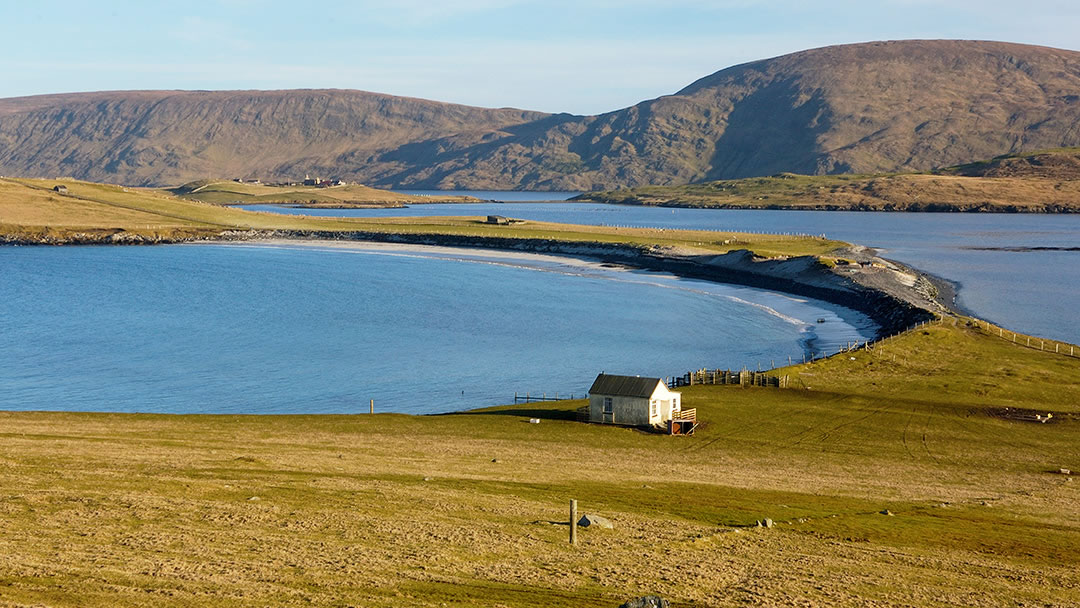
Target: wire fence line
1039, 344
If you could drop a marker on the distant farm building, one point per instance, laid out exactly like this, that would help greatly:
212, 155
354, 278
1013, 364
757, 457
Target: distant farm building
637, 401
318, 181
60, 189
498, 219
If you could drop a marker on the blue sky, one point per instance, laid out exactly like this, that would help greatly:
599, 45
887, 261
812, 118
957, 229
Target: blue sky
581, 57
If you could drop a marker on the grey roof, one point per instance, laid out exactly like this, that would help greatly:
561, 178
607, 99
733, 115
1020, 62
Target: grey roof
623, 386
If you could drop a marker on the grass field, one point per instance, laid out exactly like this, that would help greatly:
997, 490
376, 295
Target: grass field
470, 509
29, 209
224, 192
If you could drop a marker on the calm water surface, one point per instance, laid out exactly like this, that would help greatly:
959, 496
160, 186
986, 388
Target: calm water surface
318, 329
1036, 292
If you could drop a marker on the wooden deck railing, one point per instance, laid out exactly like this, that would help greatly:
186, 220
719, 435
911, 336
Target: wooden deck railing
690, 414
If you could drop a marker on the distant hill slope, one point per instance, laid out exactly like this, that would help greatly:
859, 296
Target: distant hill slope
861, 108
1043, 182
171, 137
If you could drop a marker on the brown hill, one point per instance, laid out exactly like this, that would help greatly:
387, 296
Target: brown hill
169, 137
1062, 164
862, 108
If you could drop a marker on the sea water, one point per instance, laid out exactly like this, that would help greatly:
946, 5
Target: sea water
282, 328
1018, 270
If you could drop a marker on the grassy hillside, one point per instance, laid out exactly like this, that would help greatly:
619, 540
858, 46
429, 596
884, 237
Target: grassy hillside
1040, 182
30, 210
1059, 163
470, 509
227, 192
875, 107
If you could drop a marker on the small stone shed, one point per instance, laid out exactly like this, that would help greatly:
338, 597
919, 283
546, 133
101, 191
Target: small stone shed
61, 189
632, 400
499, 220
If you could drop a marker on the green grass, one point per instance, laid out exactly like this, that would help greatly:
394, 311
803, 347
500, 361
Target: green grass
469, 509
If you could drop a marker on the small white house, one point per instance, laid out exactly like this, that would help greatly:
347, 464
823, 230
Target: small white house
632, 400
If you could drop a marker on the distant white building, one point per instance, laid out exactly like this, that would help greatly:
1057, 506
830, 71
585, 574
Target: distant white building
632, 400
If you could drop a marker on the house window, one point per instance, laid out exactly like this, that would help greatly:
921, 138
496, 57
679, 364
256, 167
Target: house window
608, 407
652, 408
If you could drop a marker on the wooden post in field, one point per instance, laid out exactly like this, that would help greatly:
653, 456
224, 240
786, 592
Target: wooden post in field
573, 522
372, 406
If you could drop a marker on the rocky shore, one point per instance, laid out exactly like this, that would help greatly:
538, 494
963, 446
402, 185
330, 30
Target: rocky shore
894, 296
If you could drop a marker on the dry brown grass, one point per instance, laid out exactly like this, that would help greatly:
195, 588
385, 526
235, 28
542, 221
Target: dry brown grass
29, 210
353, 195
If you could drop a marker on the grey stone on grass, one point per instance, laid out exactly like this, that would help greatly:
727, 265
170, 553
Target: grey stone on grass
649, 601
589, 520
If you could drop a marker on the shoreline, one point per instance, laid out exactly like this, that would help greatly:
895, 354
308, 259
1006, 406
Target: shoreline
1047, 209
887, 300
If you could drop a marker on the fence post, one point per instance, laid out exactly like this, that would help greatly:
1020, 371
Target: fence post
372, 411
573, 522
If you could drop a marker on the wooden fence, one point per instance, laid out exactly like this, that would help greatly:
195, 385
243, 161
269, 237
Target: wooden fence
527, 398
722, 376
